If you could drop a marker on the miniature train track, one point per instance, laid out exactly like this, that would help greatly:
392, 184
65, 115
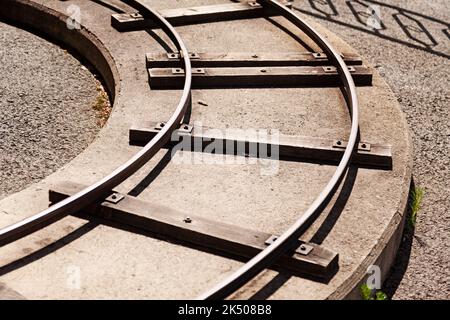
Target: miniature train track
82, 198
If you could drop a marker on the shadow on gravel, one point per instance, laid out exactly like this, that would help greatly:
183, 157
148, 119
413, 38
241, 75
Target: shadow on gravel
401, 261
385, 21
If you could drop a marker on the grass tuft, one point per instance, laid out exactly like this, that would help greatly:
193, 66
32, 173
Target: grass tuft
101, 105
365, 291
380, 295
371, 294
415, 202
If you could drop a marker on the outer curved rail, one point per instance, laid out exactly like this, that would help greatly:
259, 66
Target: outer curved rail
286, 240
102, 187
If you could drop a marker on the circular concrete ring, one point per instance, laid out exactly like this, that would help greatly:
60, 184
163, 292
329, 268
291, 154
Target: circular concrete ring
383, 253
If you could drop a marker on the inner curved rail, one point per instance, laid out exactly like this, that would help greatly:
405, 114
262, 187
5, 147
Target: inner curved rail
101, 188
287, 240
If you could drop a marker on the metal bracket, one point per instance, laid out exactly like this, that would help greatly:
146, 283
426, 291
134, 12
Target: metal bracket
115, 198
159, 126
331, 69
254, 4
304, 249
319, 55
198, 71
173, 56
362, 146
136, 15
186, 129
270, 240
176, 56
179, 71
194, 56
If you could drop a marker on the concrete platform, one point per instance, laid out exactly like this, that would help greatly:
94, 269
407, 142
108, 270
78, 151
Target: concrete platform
363, 224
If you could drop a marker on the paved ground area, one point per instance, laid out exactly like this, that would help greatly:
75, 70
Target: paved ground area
426, 112
46, 114
412, 53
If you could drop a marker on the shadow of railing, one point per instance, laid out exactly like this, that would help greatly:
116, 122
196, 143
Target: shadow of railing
412, 25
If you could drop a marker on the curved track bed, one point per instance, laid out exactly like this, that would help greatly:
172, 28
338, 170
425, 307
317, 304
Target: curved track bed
362, 221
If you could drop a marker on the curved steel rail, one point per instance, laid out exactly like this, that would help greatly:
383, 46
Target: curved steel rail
104, 186
288, 238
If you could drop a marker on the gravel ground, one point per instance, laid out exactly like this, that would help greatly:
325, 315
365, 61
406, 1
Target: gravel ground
414, 60
46, 115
